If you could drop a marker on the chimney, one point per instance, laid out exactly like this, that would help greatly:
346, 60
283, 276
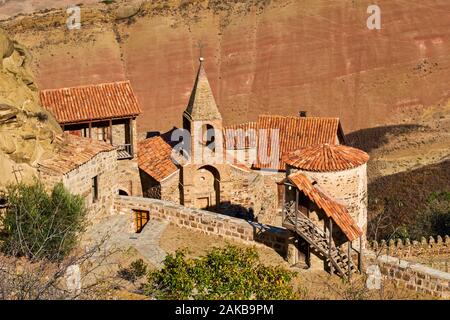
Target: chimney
303, 114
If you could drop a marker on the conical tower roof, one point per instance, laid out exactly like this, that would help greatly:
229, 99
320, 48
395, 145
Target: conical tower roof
202, 105
326, 157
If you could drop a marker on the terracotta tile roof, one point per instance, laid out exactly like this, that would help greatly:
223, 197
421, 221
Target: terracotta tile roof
332, 209
240, 136
233, 161
155, 158
72, 152
295, 132
326, 157
202, 105
93, 102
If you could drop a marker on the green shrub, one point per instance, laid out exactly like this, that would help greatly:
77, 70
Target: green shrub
227, 273
136, 270
40, 225
433, 222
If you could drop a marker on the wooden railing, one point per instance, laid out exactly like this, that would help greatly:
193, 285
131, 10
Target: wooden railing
124, 151
321, 241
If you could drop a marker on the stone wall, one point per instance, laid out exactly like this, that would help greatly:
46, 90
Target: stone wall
118, 130
245, 192
415, 276
128, 178
348, 187
79, 181
434, 252
270, 198
150, 187
406, 248
207, 222
242, 192
170, 188
120, 133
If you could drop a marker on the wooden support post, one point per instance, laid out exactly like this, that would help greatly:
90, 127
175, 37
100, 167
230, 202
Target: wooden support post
360, 256
283, 208
349, 260
330, 241
296, 207
90, 130
130, 125
110, 132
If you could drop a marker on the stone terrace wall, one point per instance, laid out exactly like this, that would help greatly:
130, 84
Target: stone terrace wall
433, 252
207, 222
415, 276
406, 248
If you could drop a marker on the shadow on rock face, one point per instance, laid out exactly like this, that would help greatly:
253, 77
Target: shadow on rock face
27, 131
373, 138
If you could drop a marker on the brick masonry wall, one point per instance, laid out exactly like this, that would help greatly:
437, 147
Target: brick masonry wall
207, 222
415, 276
79, 181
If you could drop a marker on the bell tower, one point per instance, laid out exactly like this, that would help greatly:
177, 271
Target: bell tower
205, 179
202, 118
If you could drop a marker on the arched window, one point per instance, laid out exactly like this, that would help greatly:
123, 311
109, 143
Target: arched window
209, 136
122, 193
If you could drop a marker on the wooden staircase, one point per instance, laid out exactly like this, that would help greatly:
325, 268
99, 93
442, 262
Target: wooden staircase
338, 261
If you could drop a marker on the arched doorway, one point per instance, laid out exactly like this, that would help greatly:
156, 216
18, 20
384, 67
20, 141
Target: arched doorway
207, 187
123, 193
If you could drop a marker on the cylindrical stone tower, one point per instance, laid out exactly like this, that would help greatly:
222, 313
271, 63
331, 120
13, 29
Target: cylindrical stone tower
340, 171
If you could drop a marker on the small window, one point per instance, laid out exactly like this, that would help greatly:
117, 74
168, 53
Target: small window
141, 218
85, 133
95, 189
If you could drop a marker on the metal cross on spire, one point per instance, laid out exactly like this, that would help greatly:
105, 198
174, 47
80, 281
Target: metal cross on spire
200, 46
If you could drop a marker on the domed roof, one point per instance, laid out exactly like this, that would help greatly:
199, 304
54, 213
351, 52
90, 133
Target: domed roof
326, 157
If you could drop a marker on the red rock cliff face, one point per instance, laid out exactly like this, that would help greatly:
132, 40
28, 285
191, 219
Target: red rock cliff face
314, 55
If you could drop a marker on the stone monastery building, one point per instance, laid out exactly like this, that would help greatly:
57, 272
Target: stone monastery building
294, 174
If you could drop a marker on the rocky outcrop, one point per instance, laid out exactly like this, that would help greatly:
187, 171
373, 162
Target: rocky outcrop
27, 131
261, 56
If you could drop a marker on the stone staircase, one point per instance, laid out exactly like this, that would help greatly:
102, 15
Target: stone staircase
337, 259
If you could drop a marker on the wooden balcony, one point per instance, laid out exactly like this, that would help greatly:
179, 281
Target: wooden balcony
124, 151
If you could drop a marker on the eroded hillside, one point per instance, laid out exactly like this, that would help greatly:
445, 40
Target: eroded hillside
262, 56
27, 131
